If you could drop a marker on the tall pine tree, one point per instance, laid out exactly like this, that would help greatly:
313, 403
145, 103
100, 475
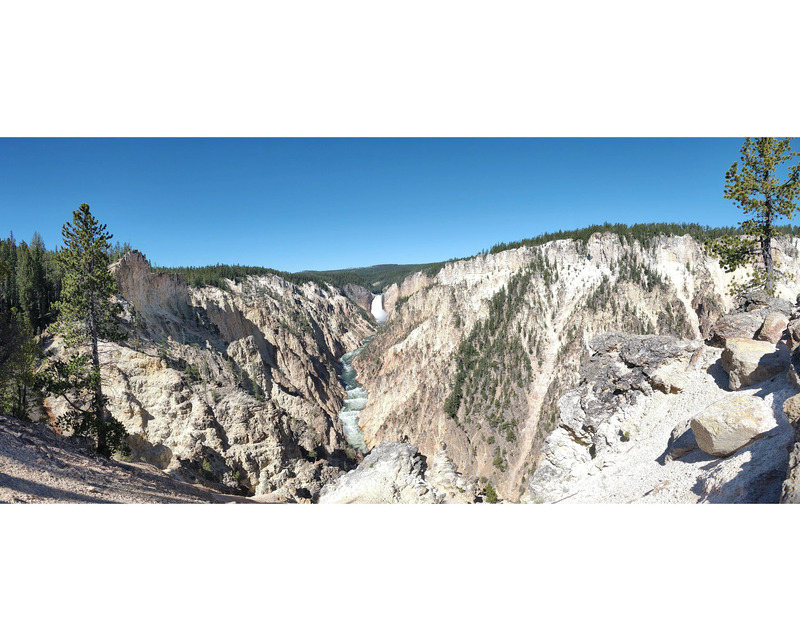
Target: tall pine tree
87, 315
765, 191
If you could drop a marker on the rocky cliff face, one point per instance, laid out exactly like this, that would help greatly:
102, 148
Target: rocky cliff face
239, 386
397, 473
359, 295
478, 356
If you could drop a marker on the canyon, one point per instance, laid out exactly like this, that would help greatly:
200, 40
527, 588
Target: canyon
516, 326
467, 384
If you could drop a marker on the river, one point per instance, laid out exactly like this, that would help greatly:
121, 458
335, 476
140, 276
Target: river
356, 395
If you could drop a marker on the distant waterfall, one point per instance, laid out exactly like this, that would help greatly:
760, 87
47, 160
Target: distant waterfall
378, 313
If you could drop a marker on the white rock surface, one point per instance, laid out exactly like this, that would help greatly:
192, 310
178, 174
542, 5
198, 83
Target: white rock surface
639, 470
391, 473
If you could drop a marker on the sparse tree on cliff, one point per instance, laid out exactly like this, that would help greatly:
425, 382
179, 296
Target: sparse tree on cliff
764, 190
86, 315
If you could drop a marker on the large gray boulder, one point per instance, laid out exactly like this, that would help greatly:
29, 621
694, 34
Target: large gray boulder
760, 302
750, 361
750, 310
730, 424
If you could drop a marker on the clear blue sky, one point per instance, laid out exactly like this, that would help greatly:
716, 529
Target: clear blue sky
309, 203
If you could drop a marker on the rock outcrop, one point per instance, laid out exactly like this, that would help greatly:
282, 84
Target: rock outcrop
623, 439
398, 473
597, 419
390, 473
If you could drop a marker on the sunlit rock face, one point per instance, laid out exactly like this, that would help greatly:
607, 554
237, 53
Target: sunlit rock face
528, 314
238, 386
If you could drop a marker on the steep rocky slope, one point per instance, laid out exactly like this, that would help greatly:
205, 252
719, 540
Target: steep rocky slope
478, 355
39, 466
238, 386
657, 419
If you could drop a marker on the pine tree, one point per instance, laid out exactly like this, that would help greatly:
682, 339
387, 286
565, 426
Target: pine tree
765, 191
20, 354
86, 315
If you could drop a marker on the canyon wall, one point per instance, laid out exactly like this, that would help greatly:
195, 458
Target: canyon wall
238, 386
478, 356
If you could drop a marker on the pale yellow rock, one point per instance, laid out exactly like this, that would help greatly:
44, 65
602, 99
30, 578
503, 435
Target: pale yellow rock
672, 377
750, 361
730, 424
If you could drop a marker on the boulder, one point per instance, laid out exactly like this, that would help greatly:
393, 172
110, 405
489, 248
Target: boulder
739, 325
760, 301
748, 361
794, 331
730, 424
791, 407
773, 328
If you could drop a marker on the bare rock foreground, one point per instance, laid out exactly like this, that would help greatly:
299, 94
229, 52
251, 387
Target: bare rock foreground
39, 466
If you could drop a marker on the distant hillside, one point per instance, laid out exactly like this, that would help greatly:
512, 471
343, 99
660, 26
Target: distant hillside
645, 233
375, 278
378, 277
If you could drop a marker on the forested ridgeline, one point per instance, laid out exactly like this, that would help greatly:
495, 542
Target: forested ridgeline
645, 233
30, 280
375, 278
378, 277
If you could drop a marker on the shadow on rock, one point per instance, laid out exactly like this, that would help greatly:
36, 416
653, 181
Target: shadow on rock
718, 373
739, 478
